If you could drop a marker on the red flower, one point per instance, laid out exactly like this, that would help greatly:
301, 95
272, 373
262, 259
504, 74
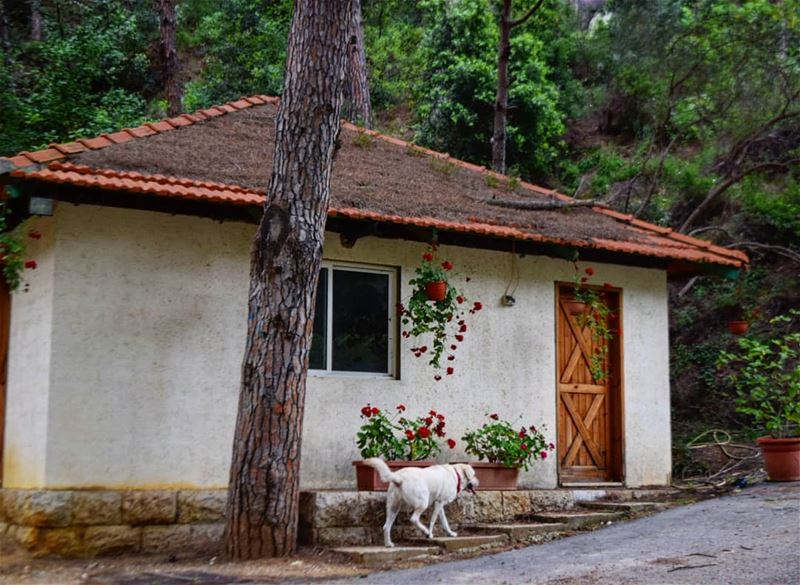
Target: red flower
401, 407
551, 446
423, 349
451, 443
524, 447
375, 411
31, 264
428, 257
584, 279
589, 270
366, 411
34, 235
459, 338
463, 327
450, 371
450, 358
424, 432
409, 434
494, 416
447, 265
429, 421
437, 377
454, 347
543, 454
459, 299
440, 416
522, 434
432, 412
477, 305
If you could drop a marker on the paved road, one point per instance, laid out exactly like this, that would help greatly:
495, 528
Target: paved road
751, 538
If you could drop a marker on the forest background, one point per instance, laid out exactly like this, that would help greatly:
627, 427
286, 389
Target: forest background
685, 113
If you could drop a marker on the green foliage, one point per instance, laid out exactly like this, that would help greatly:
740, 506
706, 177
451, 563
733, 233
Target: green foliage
766, 374
498, 441
12, 250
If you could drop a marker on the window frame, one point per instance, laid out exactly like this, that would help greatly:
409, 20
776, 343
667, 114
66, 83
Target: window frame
391, 315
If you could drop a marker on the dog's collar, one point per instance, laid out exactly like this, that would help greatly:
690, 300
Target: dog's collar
458, 477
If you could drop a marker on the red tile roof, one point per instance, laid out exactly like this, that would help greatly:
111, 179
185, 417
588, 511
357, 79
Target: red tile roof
645, 239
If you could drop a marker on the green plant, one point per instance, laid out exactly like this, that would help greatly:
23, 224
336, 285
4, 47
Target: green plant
597, 317
398, 437
498, 441
362, 140
443, 320
12, 251
766, 374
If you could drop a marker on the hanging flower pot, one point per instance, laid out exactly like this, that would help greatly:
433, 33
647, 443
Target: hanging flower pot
738, 327
575, 307
436, 290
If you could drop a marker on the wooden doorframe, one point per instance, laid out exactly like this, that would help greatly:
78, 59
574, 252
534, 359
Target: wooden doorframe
5, 332
616, 391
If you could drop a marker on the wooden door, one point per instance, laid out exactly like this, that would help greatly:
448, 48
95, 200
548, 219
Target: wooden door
5, 324
589, 443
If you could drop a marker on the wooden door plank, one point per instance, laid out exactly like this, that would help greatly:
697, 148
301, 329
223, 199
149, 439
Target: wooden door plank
583, 432
582, 388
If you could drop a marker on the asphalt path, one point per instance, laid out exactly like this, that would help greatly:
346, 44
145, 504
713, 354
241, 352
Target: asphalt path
748, 538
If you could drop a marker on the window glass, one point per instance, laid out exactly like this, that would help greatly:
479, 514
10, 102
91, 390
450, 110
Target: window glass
360, 321
319, 344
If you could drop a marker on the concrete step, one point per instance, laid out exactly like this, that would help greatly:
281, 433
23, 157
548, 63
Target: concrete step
523, 532
625, 506
380, 555
465, 543
576, 520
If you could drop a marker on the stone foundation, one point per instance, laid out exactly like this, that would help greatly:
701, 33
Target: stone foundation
89, 522
98, 522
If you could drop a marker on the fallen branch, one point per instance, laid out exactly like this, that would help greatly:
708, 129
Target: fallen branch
552, 203
692, 567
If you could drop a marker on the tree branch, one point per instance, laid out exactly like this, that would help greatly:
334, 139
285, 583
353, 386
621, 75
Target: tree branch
523, 19
543, 205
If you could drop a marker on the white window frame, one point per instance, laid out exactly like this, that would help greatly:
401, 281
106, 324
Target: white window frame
392, 273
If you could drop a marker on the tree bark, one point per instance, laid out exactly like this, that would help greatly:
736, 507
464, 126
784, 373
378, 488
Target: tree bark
499, 137
263, 497
170, 66
359, 105
36, 20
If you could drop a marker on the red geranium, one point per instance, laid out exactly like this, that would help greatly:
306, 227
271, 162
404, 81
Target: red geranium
424, 432
366, 411
450, 371
543, 454
589, 270
409, 434
447, 265
401, 407
31, 264
459, 337
494, 416
451, 443
428, 257
524, 447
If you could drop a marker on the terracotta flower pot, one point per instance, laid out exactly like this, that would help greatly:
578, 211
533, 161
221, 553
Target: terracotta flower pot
575, 307
436, 291
493, 476
367, 479
738, 327
781, 458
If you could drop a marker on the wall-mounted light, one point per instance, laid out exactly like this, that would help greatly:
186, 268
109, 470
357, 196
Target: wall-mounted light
40, 206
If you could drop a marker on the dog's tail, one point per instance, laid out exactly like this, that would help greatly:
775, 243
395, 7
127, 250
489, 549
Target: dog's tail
383, 470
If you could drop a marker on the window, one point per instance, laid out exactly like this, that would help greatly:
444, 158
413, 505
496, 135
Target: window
354, 327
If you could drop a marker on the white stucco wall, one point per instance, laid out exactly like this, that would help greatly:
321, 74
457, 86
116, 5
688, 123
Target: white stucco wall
28, 381
148, 331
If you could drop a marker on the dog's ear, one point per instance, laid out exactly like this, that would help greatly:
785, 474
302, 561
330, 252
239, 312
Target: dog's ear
469, 472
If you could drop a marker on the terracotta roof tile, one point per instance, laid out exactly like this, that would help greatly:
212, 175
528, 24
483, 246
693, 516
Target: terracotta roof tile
651, 240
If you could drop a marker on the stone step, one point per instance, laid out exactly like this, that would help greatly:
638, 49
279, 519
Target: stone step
576, 519
625, 506
379, 555
523, 532
465, 543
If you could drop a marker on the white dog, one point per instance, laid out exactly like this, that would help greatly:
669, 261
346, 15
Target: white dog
419, 487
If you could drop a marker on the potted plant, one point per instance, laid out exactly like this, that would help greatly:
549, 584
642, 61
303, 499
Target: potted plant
436, 308
740, 327
505, 450
590, 309
401, 441
766, 375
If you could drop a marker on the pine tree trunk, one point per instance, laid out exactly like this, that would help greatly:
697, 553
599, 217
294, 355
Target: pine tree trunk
359, 105
263, 497
169, 56
36, 20
499, 137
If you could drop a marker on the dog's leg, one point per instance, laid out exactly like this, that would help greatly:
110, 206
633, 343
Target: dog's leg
437, 508
392, 510
415, 521
445, 525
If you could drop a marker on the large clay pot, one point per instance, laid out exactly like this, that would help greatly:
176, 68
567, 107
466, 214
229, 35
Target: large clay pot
368, 480
781, 458
493, 476
436, 291
575, 307
738, 327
